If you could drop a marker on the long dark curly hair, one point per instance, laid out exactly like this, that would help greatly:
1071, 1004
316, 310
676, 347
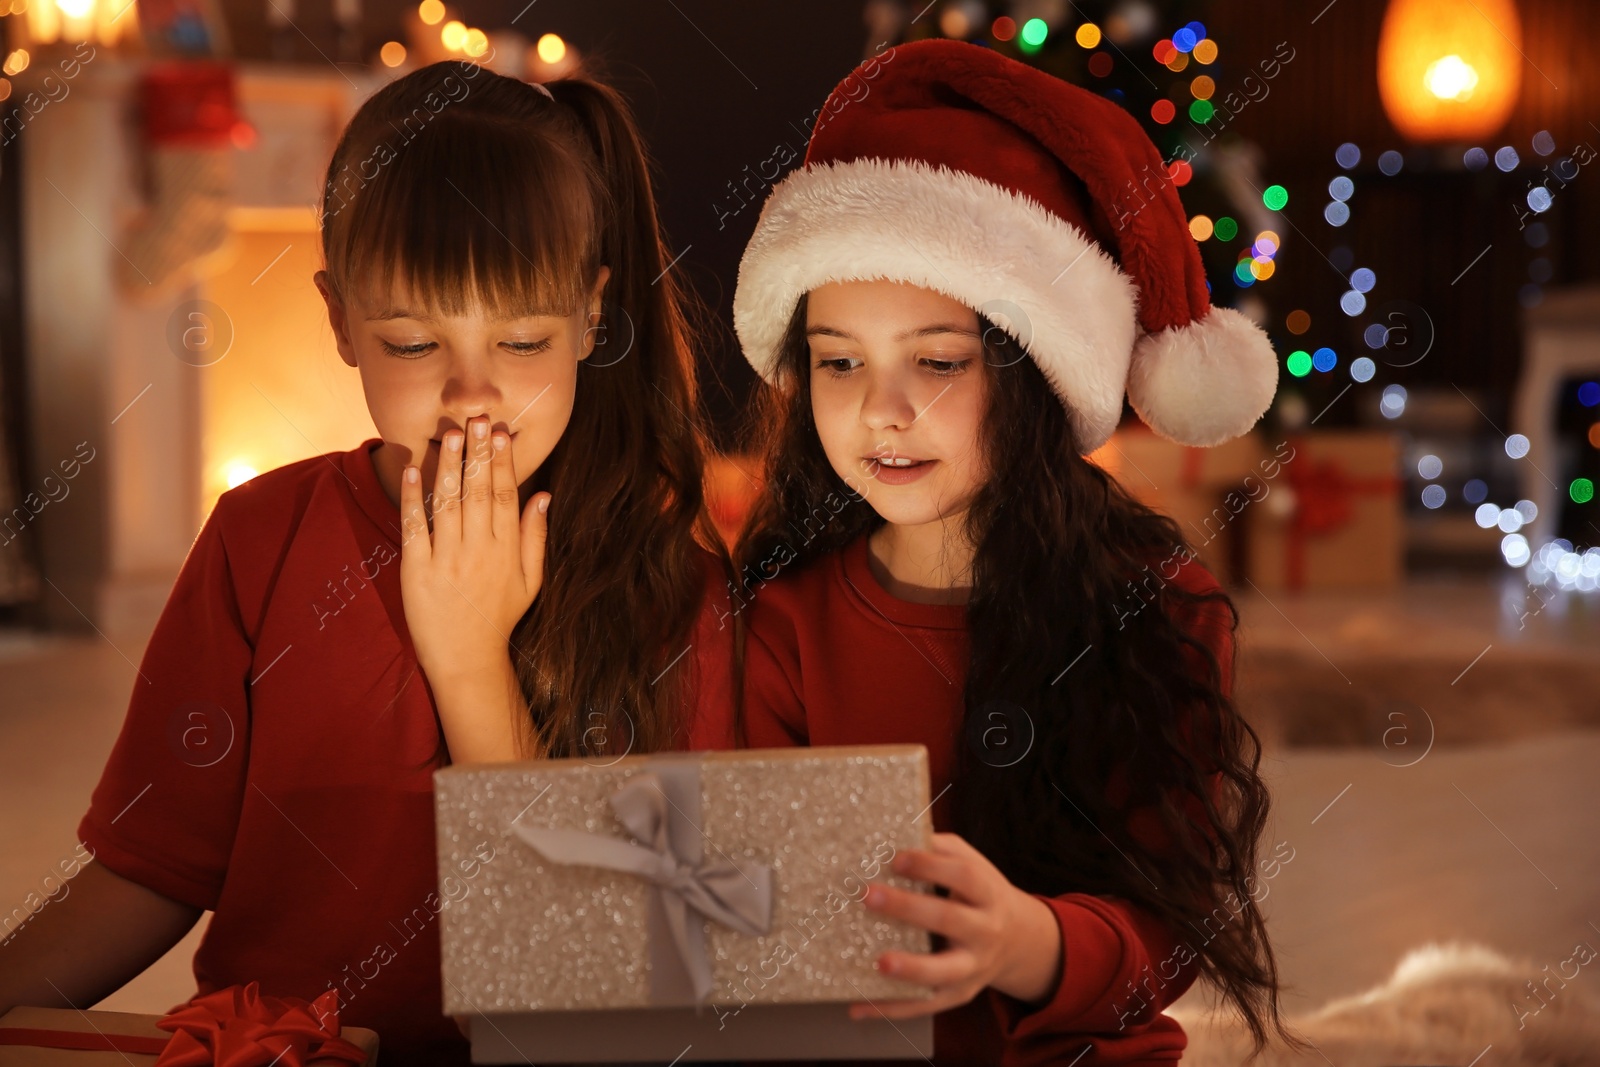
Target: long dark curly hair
1063, 561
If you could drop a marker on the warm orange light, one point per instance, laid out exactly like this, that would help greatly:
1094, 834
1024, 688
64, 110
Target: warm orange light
1450, 70
393, 54
551, 48
430, 11
454, 34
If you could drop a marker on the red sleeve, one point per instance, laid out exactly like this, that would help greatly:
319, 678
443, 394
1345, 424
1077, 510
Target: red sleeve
1121, 966
775, 716
711, 707
1120, 969
167, 805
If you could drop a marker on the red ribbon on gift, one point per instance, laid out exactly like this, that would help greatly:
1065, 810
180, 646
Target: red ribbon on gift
233, 1027
239, 1027
1324, 501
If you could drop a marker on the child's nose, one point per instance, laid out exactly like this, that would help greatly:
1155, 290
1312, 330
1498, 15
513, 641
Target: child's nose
887, 404
470, 392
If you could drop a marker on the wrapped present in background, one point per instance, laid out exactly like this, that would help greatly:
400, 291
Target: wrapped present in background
636, 908
1340, 525
1204, 489
236, 1026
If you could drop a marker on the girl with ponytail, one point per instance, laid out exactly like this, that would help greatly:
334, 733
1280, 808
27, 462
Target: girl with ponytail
516, 567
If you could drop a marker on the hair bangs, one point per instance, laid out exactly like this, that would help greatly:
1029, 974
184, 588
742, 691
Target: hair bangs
470, 213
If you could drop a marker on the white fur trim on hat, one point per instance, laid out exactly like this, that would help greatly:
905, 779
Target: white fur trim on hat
1004, 255
1204, 383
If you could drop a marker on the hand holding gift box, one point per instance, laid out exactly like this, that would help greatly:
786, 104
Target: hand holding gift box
237, 1026
704, 905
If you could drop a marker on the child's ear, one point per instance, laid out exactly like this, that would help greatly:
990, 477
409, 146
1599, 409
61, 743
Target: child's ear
594, 315
337, 318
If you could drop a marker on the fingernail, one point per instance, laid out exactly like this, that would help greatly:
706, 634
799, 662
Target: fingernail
543, 505
452, 441
480, 428
412, 475
499, 442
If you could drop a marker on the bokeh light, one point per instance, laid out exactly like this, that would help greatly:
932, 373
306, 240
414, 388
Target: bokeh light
1393, 403
551, 48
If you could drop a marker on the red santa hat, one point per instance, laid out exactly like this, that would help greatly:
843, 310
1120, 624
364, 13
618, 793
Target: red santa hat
1036, 203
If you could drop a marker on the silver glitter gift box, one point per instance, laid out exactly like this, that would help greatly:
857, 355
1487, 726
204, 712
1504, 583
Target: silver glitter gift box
697, 905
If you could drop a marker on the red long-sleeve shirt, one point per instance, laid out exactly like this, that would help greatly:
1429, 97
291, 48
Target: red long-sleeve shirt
832, 659
275, 766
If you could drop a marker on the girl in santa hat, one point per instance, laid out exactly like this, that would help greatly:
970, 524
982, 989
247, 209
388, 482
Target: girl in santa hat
949, 301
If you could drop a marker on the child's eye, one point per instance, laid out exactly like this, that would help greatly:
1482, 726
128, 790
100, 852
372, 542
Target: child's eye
527, 348
838, 366
947, 368
406, 351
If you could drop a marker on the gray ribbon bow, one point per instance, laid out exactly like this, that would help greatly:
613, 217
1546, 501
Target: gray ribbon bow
734, 893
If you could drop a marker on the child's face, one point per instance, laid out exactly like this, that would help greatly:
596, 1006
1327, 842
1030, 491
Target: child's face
898, 374
424, 376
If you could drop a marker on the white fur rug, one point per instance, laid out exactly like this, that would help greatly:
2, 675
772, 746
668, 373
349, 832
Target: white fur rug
1447, 1005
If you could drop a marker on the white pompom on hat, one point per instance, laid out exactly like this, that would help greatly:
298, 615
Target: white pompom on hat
1032, 201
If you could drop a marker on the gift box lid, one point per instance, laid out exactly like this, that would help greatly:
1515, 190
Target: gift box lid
521, 931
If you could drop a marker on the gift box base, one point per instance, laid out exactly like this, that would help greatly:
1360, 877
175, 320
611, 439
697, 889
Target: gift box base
663, 1035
